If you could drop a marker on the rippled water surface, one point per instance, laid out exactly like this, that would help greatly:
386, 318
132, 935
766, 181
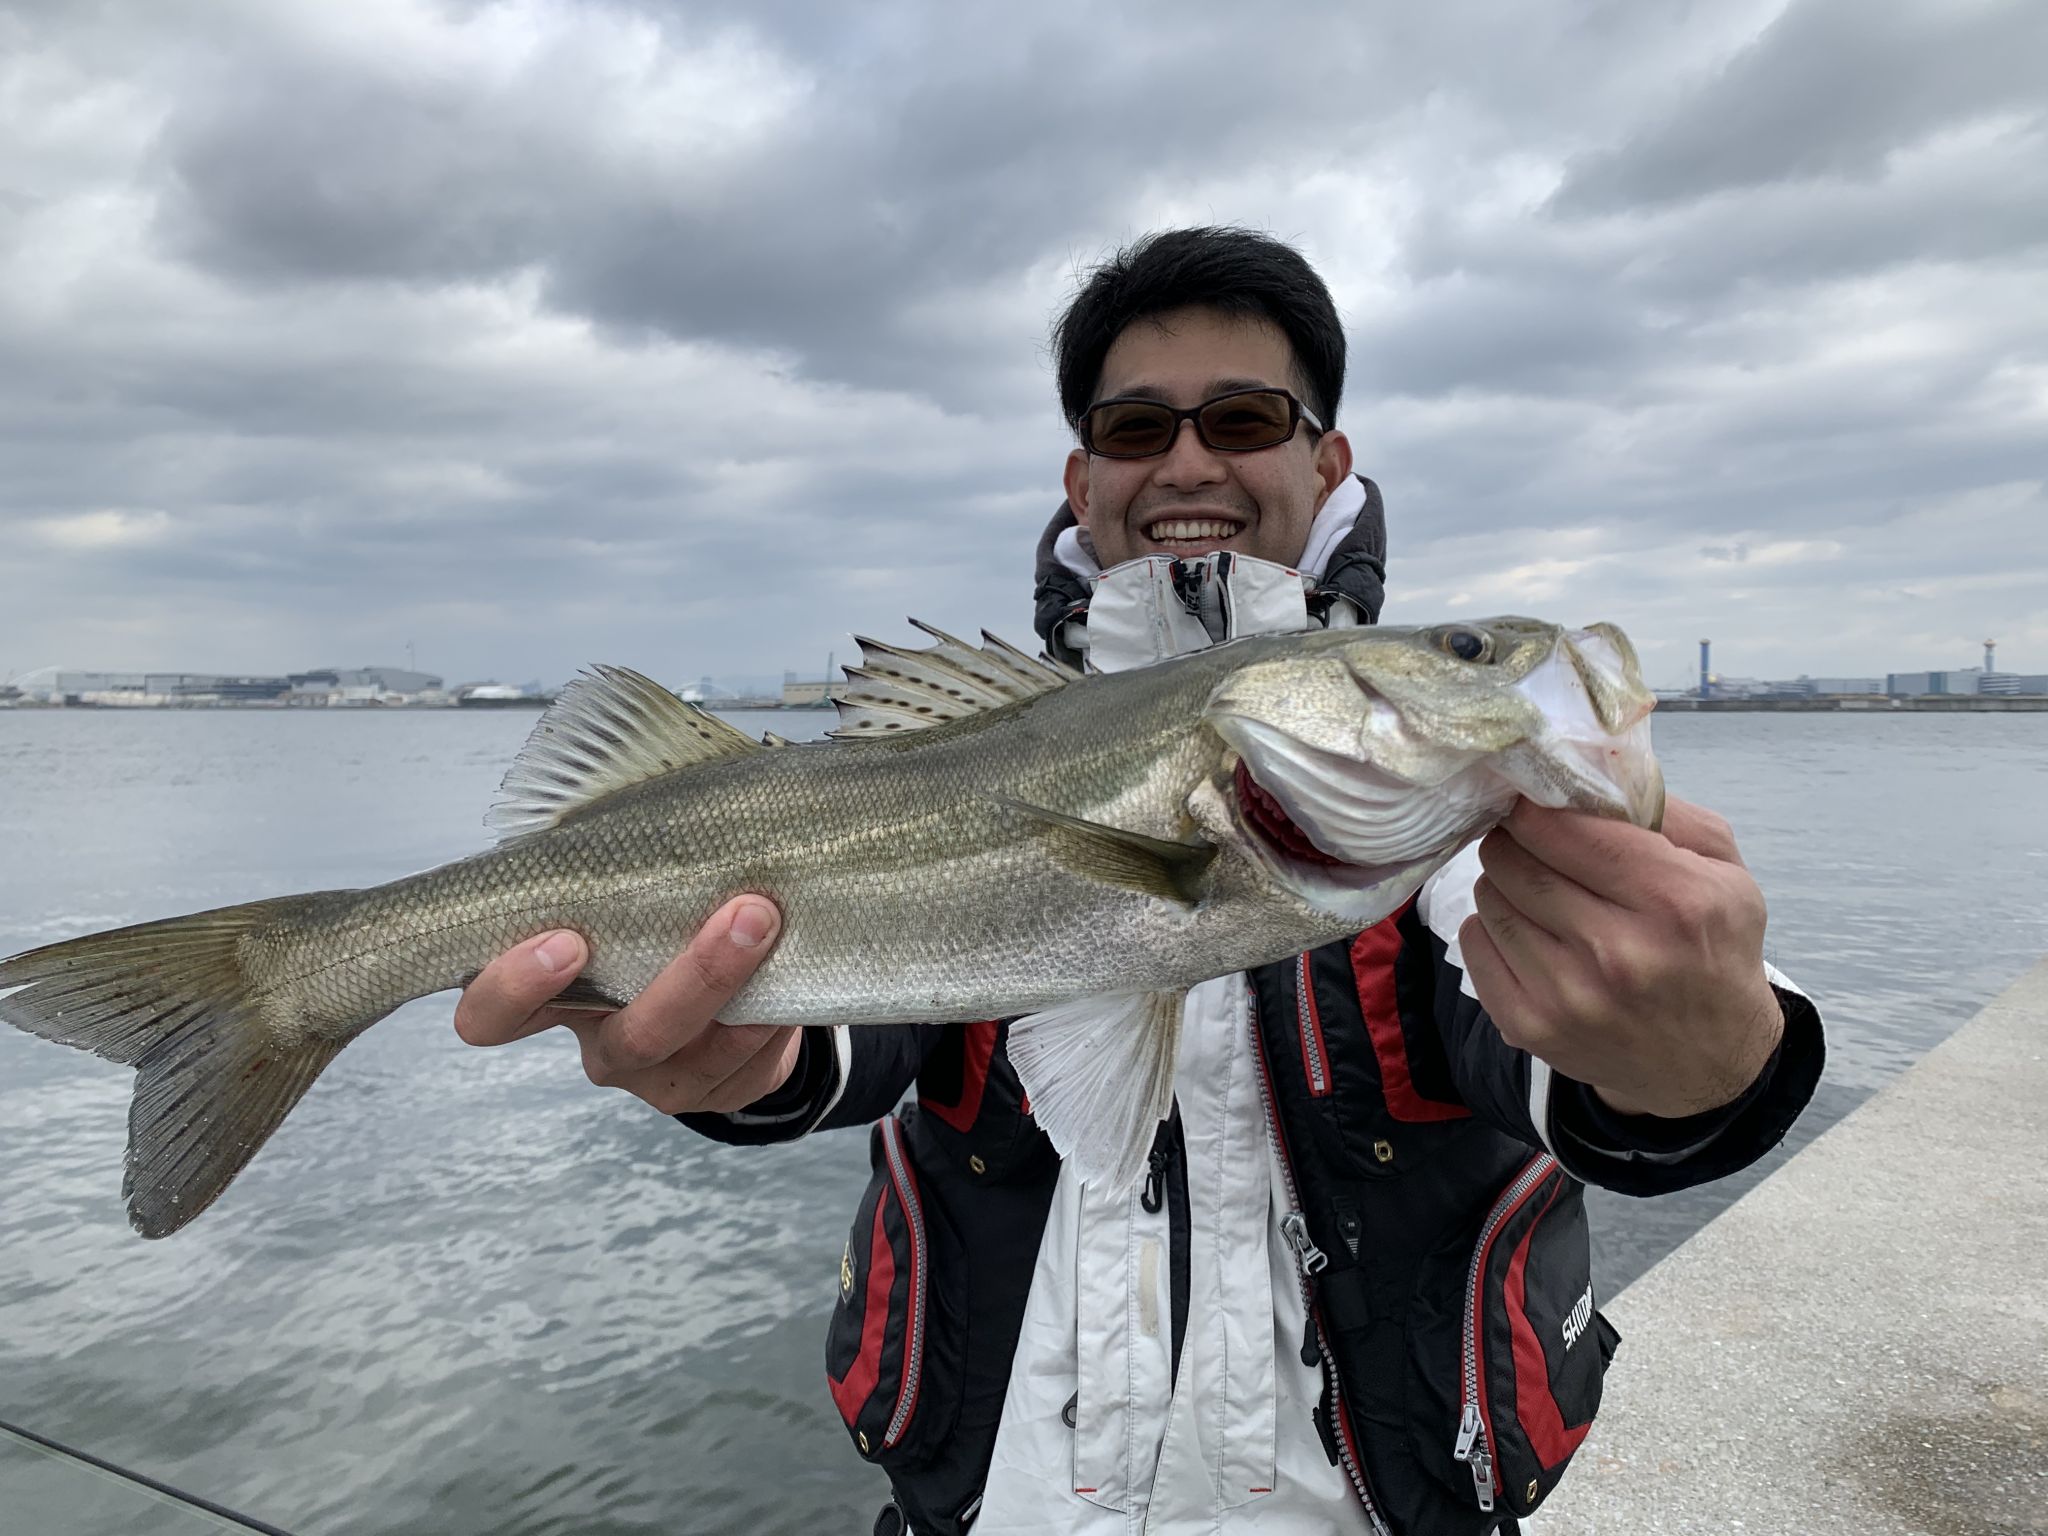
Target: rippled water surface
464, 1292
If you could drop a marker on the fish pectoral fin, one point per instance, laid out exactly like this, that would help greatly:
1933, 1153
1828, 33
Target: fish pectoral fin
610, 729
1170, 871
1099, 1075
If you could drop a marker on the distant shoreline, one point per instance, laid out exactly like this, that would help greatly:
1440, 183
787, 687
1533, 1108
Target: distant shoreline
1921, 704
1858, 704
533, 705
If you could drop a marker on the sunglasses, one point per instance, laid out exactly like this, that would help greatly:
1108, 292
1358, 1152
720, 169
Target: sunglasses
1240, 422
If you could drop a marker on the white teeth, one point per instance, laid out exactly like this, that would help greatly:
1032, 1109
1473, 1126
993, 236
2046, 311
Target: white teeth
1190, 528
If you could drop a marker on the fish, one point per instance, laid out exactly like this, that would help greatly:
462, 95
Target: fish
985, 834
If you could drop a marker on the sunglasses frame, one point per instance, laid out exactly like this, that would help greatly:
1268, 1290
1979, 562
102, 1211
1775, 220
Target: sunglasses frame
1297, 413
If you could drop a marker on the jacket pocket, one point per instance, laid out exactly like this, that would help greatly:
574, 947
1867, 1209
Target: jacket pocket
1531, 1352
893, 1354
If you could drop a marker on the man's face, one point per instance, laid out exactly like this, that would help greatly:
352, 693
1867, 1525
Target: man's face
1191, 499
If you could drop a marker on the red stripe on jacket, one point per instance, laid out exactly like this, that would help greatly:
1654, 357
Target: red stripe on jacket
1373, 954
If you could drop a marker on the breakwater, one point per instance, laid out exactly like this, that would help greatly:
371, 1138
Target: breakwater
1859, 1344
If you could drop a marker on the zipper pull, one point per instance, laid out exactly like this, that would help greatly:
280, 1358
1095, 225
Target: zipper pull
1482, 1480
1311, 1351
1155, 1182
1310, 1259
1326, 1426
1468, 1431
1471, 1449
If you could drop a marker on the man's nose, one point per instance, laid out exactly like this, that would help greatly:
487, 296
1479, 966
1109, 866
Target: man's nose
1188, 461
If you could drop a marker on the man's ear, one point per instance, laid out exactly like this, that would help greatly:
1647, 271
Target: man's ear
1332, 464
1076, 481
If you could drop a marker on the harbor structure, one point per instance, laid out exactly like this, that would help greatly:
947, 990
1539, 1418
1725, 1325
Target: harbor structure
1859, 1345
172, 690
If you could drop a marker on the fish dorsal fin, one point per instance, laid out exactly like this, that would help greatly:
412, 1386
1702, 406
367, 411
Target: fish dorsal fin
894, 689
610, 728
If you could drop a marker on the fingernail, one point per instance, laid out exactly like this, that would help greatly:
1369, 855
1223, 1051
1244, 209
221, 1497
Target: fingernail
557, 951
752, 924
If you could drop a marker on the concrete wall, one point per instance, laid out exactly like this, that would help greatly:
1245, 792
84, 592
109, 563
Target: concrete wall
1860, 1344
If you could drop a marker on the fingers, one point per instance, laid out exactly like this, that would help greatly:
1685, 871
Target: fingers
677, 1010
687, 1082
1500, 991
666, 1046
1529, 949
1698, 829
506, 1001
1607, 857
1553, 901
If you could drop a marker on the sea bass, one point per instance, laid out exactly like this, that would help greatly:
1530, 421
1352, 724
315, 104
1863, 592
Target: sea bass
985, 836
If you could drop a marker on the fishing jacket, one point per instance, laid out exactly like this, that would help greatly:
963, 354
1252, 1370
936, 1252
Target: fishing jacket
1426, 1177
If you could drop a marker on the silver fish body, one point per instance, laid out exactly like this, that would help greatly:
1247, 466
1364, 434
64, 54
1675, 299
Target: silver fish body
989, 838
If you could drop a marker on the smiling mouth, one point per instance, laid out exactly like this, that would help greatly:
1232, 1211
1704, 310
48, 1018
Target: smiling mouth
1191, 533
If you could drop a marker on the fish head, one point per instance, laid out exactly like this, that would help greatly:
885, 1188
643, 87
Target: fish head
1368, 756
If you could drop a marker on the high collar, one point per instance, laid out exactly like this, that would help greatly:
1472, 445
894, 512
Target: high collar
1341, 579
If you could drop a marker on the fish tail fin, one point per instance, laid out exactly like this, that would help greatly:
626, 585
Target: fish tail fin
1099, 1073
219, 1063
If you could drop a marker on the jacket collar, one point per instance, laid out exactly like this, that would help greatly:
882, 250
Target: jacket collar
1352, 573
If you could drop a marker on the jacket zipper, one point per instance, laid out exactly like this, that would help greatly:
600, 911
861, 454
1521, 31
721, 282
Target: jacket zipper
913, 1349
1474, 1444
1312, 1060
1309, 1261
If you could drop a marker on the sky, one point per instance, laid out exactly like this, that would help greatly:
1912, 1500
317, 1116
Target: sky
700, 337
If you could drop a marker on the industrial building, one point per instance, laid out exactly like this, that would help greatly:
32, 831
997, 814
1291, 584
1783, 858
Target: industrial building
1958, 682
1967, 680
162, 690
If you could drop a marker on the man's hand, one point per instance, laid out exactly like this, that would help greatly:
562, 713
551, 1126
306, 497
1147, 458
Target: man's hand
666, 1046
1627, 959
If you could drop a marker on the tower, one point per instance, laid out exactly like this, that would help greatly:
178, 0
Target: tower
1989, 647
1705, 675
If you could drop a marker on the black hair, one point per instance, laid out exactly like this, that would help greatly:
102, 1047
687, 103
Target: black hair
1237, 271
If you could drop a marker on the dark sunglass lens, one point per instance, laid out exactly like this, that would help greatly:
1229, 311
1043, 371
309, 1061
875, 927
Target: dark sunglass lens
1247, 421
1129, 429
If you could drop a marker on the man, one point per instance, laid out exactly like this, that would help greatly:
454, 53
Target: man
1354, 1292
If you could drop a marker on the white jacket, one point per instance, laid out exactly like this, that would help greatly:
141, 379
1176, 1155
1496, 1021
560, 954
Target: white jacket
1230, 1445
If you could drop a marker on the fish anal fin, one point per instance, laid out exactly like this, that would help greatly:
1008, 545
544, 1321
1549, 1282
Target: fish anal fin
1171, 871
610, 729
1099, 1075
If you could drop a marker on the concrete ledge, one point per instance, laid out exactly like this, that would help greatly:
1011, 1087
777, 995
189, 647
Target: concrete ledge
1859, 1344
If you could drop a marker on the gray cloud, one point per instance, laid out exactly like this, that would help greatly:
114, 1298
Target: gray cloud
541, 333
1831, 89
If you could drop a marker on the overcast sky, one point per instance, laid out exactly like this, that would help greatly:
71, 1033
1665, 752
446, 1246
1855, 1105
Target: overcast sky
697, 336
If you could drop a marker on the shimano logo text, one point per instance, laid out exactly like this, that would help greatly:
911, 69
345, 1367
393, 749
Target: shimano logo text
1581, 1314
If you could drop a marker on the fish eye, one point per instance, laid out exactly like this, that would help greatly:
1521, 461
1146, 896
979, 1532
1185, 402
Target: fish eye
1466, 644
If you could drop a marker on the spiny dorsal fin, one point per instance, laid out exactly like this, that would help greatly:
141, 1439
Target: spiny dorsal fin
770, 739
896, 690
611, 727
